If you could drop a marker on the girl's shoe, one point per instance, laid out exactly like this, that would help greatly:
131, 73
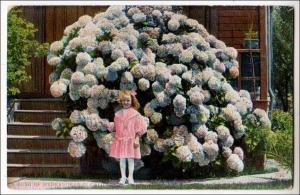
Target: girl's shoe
123, 180
130, 180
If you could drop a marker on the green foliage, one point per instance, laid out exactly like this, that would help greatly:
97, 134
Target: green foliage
21, 47
218, 99
132, 64
107, 36
215, 120
251, 34
167, 133
280, 148
280, 142
283, 52
67, 126
151, 42
72, 35
255, 139
282, 121
276, 143
170, 156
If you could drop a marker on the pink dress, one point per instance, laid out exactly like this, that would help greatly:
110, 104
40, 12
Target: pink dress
127, 123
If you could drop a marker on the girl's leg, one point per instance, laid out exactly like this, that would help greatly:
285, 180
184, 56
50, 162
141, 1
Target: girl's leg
131, 170
123, 170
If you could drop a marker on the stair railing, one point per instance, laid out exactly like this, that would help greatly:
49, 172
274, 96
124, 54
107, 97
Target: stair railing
11, 110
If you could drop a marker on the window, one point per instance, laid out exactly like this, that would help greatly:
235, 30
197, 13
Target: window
250, 73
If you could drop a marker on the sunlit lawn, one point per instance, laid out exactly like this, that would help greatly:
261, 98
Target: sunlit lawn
286, 184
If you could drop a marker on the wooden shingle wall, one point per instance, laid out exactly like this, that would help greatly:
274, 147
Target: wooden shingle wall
234, 21
50, 22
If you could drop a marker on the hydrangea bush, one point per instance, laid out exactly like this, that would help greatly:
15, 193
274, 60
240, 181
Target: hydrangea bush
181, 75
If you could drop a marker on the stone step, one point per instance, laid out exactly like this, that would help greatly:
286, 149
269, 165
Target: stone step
36, 142
40, 104
27, 156
44, 170
39, 116
21, 128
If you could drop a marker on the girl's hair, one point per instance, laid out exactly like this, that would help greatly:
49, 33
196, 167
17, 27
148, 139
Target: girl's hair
134, 101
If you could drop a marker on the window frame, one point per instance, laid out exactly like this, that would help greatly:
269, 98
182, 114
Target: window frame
255, 96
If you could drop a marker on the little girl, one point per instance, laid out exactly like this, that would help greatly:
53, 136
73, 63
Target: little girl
129, 125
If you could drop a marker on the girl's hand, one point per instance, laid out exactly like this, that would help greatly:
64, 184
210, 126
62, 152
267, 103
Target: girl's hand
110, 126
105, 124
136, 142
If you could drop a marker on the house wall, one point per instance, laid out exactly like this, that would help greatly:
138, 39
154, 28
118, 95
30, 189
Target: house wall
50, 22
231, 24
234, 21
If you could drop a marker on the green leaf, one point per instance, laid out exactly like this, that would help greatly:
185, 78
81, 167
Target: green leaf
133, 63
151, 42
21, 48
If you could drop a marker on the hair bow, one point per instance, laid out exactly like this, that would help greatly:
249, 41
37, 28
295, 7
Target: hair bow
133, 93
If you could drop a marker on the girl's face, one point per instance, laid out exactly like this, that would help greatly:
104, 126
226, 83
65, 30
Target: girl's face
126, 101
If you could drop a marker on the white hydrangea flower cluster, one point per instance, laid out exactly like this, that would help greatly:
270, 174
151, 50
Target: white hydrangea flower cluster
156, 117
197, 150
196, 95
144, 84
234, 162
259, 118
179, 71
179, 103
198, 114
56, 47
59, 87
152, 136
159, 145
224, 136
76, 149
210, 145
56, 124
231, 114
184, 153
66, 74
200, 130
78, 133
162, 99
76, 117
105, 141
95, 123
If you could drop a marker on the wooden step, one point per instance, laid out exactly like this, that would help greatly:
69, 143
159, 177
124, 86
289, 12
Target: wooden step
41, 104
21, 128
40, 116
36, 142
26, 170
25, 156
